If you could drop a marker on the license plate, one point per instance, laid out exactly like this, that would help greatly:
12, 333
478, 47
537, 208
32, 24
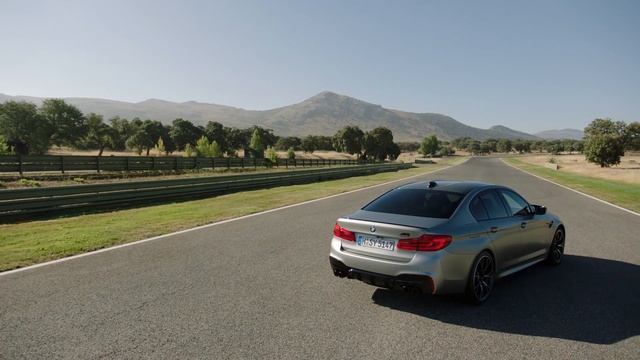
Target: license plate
375, 242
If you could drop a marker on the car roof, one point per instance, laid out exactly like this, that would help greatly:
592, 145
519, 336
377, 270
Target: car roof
460, 187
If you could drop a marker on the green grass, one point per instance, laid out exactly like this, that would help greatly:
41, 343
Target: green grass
32, 242
617, 192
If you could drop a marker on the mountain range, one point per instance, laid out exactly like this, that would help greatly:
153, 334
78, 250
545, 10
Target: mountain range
572, 134
322, 114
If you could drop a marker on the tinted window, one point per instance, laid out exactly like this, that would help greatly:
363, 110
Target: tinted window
477, 209
493, 204
516, 204
417, 202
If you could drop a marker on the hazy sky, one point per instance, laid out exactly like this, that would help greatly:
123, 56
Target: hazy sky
530, 65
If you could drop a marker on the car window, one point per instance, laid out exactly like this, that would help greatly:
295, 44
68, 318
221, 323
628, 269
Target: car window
493, 204
516, 204
477, 209
417, 202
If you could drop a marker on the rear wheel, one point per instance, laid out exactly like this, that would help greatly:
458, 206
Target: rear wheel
481, 278
556, 250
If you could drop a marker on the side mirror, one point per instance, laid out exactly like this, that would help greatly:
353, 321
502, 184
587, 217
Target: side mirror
539, 209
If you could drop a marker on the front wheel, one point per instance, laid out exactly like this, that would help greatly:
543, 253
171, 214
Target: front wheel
556, 250
481, 278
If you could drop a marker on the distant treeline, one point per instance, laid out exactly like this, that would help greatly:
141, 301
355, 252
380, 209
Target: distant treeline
28, 129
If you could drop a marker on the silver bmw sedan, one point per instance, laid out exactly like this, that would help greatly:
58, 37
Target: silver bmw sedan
443, 237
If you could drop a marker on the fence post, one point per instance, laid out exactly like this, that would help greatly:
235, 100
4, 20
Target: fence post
62, 164
255, 165
213, 163
229, 163
153, 163
286, 163
242, 162
175, 165
127, 164
20, 165
98, 164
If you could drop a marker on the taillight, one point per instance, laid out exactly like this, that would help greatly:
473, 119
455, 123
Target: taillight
426, 242
343, 233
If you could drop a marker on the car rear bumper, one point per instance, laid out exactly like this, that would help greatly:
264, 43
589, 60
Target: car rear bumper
410, 283
442, 271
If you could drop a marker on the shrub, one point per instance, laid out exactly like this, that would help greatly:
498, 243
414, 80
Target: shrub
28, 183
291, 154
270, 157
188, 150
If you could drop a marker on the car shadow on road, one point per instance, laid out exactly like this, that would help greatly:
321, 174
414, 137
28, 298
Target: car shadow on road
584, 299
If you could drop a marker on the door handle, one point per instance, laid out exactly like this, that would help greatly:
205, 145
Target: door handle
523, 225
494, 229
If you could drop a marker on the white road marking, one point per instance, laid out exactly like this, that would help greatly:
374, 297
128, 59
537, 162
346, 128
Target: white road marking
574, 190
73, 257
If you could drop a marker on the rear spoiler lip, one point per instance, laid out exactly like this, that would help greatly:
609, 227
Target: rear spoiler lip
414, 222
371, 222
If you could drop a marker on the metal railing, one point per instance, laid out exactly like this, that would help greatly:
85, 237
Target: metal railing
18, 202
68, 163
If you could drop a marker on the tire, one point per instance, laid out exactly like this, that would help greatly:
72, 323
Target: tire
481, 278
556, 249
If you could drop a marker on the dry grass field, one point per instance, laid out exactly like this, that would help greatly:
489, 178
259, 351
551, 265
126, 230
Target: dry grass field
320, 154
628, 171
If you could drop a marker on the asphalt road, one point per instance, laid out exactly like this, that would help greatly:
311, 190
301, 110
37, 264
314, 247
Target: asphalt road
261, 287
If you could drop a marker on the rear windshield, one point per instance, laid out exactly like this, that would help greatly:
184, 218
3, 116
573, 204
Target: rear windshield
417, 202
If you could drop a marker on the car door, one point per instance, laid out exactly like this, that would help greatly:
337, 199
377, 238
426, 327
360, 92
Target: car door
533, 229
502, 228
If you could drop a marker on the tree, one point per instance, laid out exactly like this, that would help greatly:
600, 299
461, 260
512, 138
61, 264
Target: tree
461, 143
605, 127
4, 147
169, 145
284, 143
632, 136
309, 144
393, 151
123, 131
604, 142
98, 134
446, 150
256, 145
349, 139
522, 146
215, 132
153, 131
604, 150
504, 145
491, 144
409, 146
24, 128
67, 122
378, 144
236, 139
473, 147
430, 146
138, 141
554, 147
183, 132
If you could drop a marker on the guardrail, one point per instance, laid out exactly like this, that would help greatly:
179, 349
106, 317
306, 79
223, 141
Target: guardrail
20, 202
48, 163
